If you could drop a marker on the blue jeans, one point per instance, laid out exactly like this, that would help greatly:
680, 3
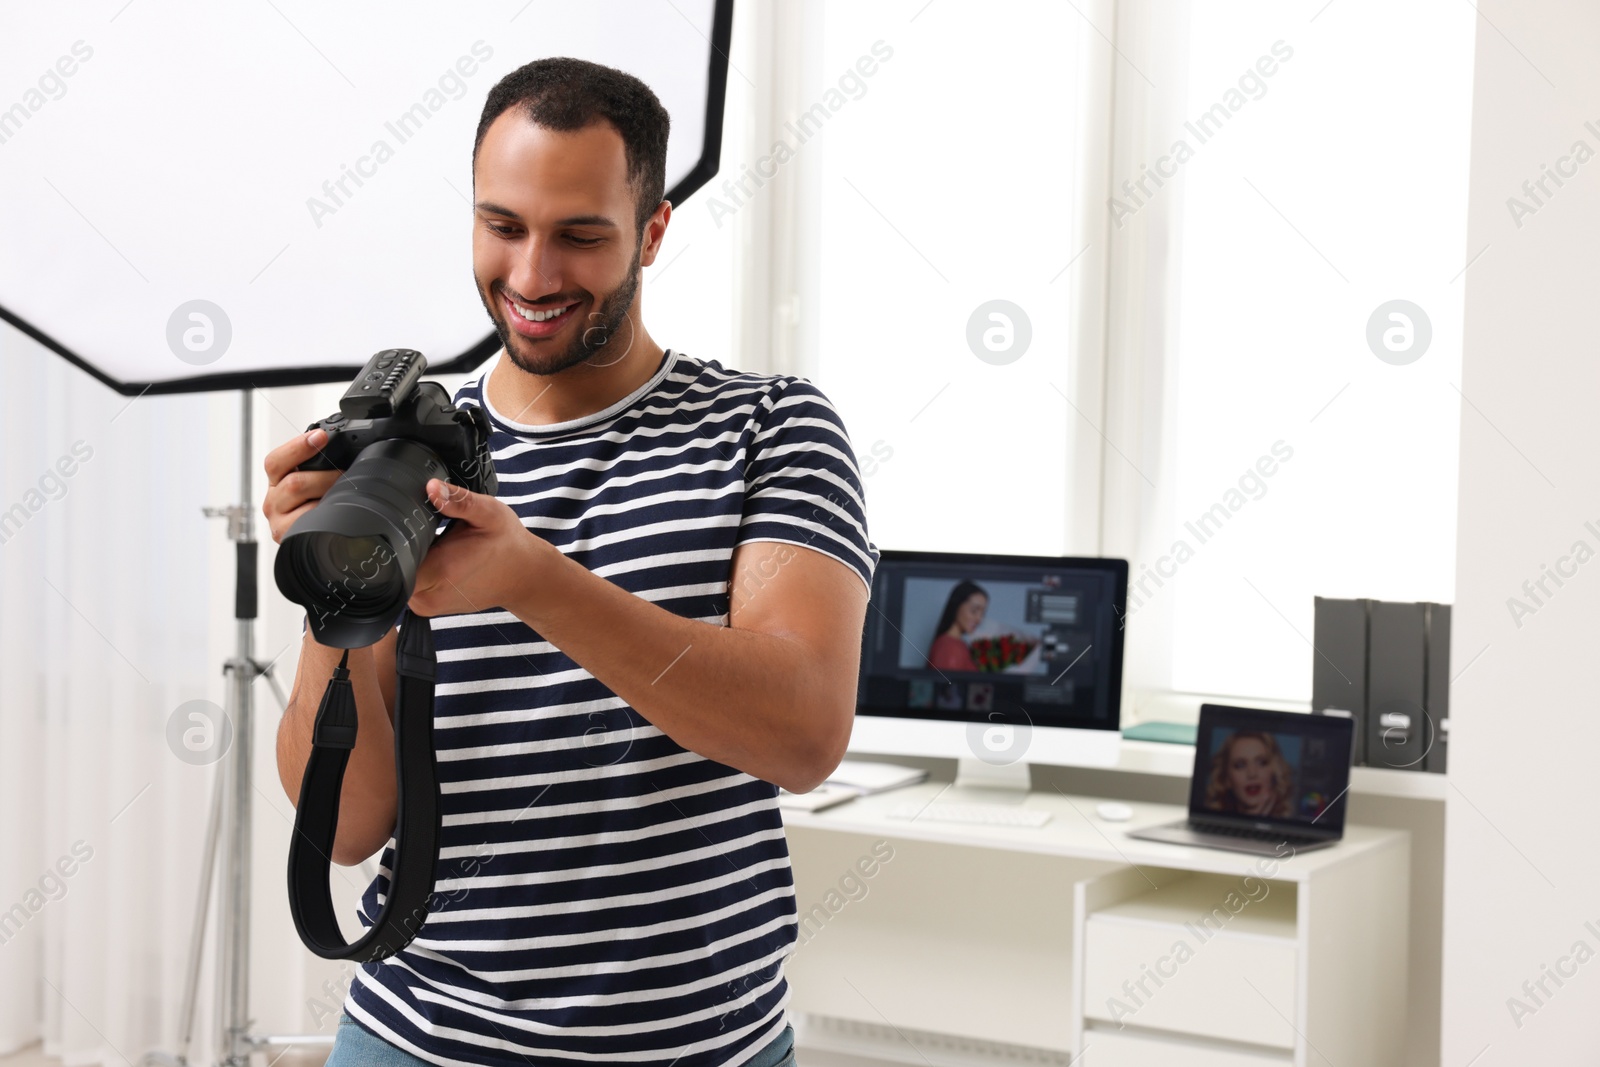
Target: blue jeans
355, 1046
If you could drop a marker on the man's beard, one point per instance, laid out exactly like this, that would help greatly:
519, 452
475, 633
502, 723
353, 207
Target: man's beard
590, 339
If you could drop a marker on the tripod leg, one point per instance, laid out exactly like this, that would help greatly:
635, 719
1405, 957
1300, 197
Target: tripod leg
277, 690
233, 928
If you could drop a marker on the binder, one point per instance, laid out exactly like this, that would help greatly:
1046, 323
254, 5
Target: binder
1438, 688
1339, 665
1396, 679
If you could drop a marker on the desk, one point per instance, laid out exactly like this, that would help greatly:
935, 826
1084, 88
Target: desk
1024, 937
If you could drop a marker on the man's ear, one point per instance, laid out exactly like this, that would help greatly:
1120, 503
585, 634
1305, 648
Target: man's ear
655, 231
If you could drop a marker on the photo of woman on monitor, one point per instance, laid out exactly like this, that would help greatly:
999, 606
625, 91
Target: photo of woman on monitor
1250, 776
963, 612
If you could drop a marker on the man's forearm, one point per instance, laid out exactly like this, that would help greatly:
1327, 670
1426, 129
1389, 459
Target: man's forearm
750, 700
367, 799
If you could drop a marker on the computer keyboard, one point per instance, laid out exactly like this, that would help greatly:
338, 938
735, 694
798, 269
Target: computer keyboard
974, 814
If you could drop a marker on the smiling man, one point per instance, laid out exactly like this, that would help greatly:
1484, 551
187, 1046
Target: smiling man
653, 626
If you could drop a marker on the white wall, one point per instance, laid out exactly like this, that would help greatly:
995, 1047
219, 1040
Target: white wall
1521, 871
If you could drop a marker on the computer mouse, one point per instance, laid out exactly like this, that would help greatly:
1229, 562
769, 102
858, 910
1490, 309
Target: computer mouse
1114, 811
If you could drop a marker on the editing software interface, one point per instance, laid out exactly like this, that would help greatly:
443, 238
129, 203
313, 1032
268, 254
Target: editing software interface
983, 639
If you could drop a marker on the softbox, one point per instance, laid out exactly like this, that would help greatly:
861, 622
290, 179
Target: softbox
200, 196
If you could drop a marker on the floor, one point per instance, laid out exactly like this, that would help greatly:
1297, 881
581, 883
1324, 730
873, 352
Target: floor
29, 1057
33, 1057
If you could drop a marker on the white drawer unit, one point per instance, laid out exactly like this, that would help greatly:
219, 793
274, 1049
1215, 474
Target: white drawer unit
1183, 967
1203, 955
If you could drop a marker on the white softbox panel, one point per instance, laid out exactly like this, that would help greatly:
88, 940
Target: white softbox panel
202, 196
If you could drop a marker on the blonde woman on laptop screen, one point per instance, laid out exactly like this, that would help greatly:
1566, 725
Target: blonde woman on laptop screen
1250, 776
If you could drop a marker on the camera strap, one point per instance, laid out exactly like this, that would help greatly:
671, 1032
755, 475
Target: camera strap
416, 849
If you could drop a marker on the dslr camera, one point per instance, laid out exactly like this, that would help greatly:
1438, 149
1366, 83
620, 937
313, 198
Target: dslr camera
352, 560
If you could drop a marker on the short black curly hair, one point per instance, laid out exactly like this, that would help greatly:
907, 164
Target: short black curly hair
566, 94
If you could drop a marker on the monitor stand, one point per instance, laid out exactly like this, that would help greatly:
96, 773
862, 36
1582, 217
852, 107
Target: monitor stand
976, 774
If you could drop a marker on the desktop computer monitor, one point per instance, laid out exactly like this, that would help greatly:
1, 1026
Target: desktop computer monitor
995, 661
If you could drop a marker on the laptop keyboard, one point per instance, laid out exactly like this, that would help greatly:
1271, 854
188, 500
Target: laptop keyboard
1253, 834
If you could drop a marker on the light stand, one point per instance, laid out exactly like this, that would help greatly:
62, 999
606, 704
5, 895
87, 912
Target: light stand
230, 814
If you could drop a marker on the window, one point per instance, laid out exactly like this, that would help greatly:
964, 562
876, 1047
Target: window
1198, 392
1274, 454
956, 165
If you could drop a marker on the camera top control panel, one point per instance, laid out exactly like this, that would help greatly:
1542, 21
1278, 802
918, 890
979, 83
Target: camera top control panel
388, 376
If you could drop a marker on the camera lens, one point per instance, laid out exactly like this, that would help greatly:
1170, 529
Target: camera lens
363, 567
338, 553
352, 560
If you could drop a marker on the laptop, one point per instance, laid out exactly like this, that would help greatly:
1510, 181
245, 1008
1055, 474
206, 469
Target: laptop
1264, 781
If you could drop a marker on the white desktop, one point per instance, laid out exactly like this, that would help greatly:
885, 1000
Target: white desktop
982, 919
995, 661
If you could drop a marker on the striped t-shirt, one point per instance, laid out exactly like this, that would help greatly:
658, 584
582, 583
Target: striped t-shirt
603, 894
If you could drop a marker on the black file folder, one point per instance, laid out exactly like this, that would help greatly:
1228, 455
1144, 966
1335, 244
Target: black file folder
1339, 664
1397, 729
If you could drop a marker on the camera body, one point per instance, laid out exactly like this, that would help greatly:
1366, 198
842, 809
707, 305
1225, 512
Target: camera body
352, 560
398, 406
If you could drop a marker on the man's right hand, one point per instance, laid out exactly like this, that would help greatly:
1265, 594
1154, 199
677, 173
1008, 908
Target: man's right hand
292, 493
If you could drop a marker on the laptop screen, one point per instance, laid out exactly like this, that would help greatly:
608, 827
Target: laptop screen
1271, 768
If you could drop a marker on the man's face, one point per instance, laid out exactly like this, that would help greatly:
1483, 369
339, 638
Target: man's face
553, 229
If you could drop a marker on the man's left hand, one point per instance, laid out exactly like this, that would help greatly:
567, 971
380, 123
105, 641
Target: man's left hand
487, 559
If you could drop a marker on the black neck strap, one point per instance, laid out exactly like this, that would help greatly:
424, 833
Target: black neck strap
405, 907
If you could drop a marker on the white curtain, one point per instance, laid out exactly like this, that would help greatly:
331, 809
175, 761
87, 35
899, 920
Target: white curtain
107, 605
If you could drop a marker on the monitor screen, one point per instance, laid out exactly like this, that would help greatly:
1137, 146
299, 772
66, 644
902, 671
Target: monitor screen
1280, 766
983, 638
